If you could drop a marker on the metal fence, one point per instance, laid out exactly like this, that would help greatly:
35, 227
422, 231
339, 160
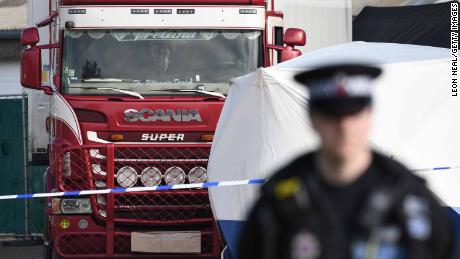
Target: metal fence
21, 219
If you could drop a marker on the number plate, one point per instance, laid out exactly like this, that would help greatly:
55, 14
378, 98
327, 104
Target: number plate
166, 242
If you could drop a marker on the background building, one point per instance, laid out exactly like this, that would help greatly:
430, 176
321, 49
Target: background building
13, 18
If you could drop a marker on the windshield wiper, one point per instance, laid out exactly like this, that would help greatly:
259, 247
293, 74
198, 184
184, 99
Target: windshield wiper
203, 92
190, 90
127, 92
106, 80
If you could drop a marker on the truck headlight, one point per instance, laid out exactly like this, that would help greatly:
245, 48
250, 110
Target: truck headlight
96, 153
101, 200
197, 175
174, 175
126, 176
66, 167
151, 176
103, 213
73, 206
97, 169
100, 184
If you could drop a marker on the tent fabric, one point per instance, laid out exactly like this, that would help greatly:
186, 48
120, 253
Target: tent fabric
264, 124
427, 25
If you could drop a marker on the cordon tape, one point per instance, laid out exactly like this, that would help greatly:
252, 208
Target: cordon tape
162, 187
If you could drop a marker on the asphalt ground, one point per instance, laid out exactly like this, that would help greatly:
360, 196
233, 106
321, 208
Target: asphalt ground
21, 252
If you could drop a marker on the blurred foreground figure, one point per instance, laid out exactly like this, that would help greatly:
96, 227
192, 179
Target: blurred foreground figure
345, 201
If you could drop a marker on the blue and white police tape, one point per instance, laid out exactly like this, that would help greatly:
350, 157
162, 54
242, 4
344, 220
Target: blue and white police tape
164, 187
435, 168
134, 189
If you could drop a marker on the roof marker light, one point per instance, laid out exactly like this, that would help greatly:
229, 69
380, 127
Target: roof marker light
185, 11
162, 11
248, 11
77, 11
139, 11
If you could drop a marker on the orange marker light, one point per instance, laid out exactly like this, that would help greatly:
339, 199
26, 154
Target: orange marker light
116, 137
56, 206
207, 138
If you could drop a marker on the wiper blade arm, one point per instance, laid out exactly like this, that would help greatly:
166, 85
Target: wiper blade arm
190, 90
127, 92
106, 80
203, 92
132, 93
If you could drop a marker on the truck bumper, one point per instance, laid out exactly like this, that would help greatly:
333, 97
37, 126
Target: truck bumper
94, 241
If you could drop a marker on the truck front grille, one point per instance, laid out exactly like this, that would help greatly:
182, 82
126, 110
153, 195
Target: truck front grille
88, 168
167, 207
96, 167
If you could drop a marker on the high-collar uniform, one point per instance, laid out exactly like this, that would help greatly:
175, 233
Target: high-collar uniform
387, 213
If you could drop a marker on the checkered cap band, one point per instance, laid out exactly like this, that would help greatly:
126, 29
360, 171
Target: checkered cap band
341, 86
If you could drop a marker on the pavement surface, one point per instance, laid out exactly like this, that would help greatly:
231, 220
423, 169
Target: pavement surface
21, 252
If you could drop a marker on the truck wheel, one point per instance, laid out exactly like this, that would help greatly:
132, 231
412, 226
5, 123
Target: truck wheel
48, 252
48, 249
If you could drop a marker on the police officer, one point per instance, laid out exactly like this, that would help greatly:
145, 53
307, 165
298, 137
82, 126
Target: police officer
345, 200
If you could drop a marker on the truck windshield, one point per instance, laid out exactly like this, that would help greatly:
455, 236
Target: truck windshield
157, 62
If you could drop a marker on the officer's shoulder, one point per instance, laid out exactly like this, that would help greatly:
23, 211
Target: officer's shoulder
295, 169
395, 170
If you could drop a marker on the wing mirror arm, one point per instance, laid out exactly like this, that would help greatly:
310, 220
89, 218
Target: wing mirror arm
47, 20
276, 47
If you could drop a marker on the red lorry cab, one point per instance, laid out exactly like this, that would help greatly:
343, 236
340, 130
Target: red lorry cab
136, 91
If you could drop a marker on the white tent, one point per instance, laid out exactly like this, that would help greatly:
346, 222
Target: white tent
264, 123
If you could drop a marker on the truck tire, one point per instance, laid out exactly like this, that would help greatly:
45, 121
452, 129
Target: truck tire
48, 248
48, 252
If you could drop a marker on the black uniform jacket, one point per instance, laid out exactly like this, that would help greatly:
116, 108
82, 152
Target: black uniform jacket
398, 218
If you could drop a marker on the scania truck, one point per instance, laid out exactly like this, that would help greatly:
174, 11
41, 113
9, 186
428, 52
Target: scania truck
136, 88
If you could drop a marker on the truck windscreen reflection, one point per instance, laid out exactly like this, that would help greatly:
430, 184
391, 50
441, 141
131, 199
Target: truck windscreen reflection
152, 62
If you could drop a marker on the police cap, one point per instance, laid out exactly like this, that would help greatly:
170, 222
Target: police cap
339, 90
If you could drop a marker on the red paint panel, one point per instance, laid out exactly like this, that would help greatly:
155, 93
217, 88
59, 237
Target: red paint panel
90, 116
169, 2
275, 14
137, 136
63, 132
114, 112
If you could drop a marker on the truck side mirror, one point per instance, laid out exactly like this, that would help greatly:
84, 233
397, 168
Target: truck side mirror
30, 36
31, 61
31, 68
293, 37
